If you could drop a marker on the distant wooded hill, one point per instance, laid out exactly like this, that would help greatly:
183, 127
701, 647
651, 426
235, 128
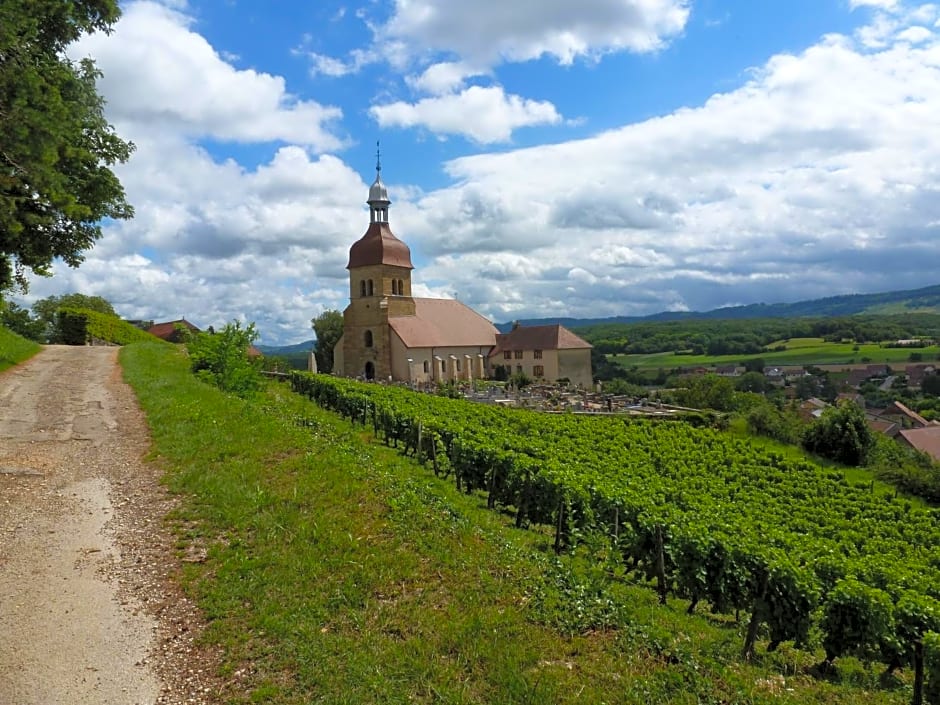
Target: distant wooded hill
286, 350
926, 300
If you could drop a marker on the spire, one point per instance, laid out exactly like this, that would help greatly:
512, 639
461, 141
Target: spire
378, 194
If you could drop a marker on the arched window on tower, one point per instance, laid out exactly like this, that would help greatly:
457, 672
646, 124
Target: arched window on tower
367, 338
401, 288
394, 288
362, 288
371, 290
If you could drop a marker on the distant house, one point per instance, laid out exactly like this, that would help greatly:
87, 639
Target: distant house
727, 370
812, 408
544, 352
905, 417
926, 440
170, 331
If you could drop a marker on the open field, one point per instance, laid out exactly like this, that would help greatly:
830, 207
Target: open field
800, 351
338, 571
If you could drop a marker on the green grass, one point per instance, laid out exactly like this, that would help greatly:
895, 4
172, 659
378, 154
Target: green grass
340, 572
800, 351
14, 348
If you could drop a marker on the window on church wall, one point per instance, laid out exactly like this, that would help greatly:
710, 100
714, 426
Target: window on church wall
537, 354
401, 288
507, 354
362, 288
370, 288
538, 371
427, 367
368, 338
517, 354
395, 290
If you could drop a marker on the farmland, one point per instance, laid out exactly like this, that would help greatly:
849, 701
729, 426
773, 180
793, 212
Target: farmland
341, 570
798, 351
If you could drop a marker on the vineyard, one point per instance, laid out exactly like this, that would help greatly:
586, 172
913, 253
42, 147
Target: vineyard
805, 555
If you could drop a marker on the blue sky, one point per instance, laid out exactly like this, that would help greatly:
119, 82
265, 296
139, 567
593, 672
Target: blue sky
544, 157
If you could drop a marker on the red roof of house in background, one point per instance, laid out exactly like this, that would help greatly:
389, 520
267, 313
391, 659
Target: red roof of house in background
167, 331
925, 439
443, 323
379, 246
552, 337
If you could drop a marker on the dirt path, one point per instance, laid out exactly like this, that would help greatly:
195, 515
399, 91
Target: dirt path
88, 612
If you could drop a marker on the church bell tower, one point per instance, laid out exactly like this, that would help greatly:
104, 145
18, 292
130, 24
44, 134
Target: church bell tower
379, 288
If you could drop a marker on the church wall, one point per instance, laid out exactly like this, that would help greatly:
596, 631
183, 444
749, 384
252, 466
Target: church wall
470, 368
576, 366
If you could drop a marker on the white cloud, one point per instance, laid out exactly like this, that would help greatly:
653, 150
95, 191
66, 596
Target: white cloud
483, 114
443, 77
490, 31
817, 176
159, 73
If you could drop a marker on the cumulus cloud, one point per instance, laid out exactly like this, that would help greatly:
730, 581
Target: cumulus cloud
491, 31
816, 176
484, 114
159, 73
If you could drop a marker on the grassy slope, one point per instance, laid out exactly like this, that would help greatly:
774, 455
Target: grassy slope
800, 351
340, 572
14, 348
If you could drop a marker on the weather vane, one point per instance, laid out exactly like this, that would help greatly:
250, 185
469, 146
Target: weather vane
378, 157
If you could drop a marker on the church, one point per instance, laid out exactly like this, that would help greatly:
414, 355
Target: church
388, 334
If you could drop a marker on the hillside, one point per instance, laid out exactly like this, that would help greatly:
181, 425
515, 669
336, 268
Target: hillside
926, 300
340, 570
303, 348
14, 348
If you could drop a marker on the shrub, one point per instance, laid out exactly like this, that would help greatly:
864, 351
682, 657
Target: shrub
222, 359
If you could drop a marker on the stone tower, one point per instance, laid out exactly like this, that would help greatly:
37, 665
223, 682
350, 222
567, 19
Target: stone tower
379, 288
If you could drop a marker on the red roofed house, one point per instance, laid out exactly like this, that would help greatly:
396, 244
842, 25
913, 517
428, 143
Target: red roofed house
544, 352
170, 331
390, 334
926, 440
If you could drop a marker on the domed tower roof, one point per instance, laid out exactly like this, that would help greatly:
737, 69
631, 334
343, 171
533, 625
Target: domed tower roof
379, 245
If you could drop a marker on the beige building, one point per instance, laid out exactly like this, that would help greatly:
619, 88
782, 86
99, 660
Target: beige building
549, 353
390, 334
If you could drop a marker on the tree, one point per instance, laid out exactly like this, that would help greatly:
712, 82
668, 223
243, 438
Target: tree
18, 320
841, 434
753, 381
222, 358
328, 327
931, 384
44, 310
56, 148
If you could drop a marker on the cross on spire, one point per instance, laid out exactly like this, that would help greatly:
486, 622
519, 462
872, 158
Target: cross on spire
378, 158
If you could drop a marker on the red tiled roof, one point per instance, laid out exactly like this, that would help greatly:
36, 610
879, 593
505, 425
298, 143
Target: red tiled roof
555, 337
167, 330
912, 415
379, 246
440, 323
925, 439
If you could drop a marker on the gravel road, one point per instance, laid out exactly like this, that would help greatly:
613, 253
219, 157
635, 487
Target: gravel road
89, 609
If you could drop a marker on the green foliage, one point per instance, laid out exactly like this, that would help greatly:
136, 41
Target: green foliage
75, 326
931, 384
707, 392
328, 327
841, 434
520, 380
14, 348
767, 420
222, 358
44, 310
739, 526
752, 382
857, 620
56, 148
20, 322
932, 668
343, 572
